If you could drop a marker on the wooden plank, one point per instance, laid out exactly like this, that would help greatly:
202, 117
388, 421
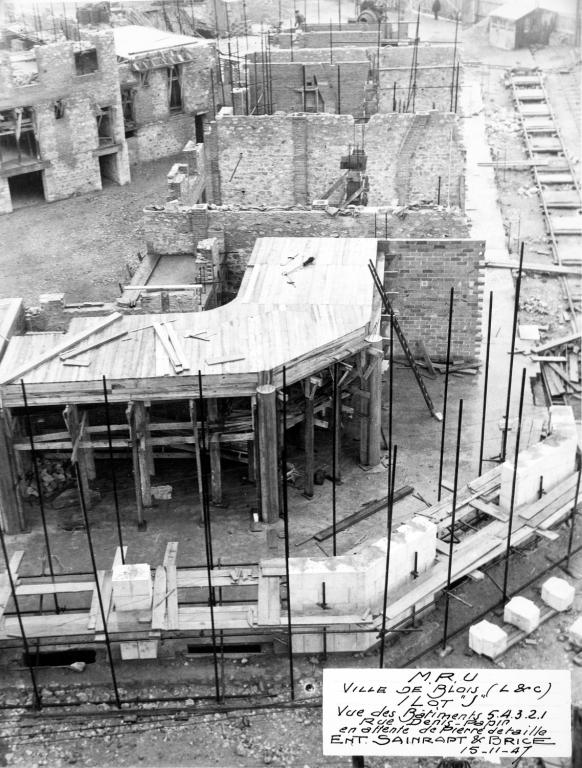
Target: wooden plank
57, 588
537, 507
62, 347
159, 599
571, 338
549, 268
175, 342
117, 560
172, 620
361, 514
107, 600
5, 589
269, 600
564, 376
95, 345
490, 509
55, 625
94, 609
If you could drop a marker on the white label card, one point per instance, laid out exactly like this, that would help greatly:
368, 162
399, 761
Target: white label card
447, 712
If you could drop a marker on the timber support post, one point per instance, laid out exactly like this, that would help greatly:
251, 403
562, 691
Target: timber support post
140, 481
214, 450
77, 427
373, 373
11, 511
268, 452
309, 387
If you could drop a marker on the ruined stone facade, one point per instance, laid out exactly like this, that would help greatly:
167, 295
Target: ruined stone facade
297, 157
158, 120
63, 122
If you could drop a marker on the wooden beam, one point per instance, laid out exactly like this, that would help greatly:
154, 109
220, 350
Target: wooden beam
214, 450
11, 514
5, 589
159, 599
375, 409
141, 433
136, 463
172, 613
309, 437
268, 452
62, 347
194, 421
76, 427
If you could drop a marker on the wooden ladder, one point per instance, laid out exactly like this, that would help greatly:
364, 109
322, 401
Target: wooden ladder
404, 343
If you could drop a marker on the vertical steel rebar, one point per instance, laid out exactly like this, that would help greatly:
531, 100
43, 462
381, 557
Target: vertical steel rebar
448, 365
333, 457
208, 538
485, 383
34, 458
390, 394
37, 699
573, 520
513, 486
390, 500
452, 541
97, 585
454, 61
511, 357
286, 530
113, 473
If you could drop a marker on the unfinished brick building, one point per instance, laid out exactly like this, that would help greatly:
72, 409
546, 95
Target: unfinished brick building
61, 124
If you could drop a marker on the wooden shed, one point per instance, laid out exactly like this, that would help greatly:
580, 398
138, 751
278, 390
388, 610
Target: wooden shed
521, 23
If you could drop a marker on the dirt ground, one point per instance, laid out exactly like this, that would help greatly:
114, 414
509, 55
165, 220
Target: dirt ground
79, 246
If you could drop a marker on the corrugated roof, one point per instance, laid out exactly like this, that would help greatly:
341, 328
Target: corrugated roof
132, 41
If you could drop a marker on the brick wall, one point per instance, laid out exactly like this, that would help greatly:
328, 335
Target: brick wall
287, 80
434, 256
68, 145
406, 156
433, 78
426, 271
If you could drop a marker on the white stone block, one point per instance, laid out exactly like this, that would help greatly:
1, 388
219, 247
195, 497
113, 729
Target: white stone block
487, 639
132, 587
139, 649
575, 633
558, 594
522, 613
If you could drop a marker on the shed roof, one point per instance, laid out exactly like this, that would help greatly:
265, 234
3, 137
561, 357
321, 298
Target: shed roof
515, 9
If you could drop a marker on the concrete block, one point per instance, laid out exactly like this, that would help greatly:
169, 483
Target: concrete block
132, 587
487, 639
575, 633
522, 613
139, 649
558, 594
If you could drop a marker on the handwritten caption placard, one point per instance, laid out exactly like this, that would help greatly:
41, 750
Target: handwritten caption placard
447, 712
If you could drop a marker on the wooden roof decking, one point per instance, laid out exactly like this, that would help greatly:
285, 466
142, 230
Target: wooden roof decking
300, 320
11, 312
